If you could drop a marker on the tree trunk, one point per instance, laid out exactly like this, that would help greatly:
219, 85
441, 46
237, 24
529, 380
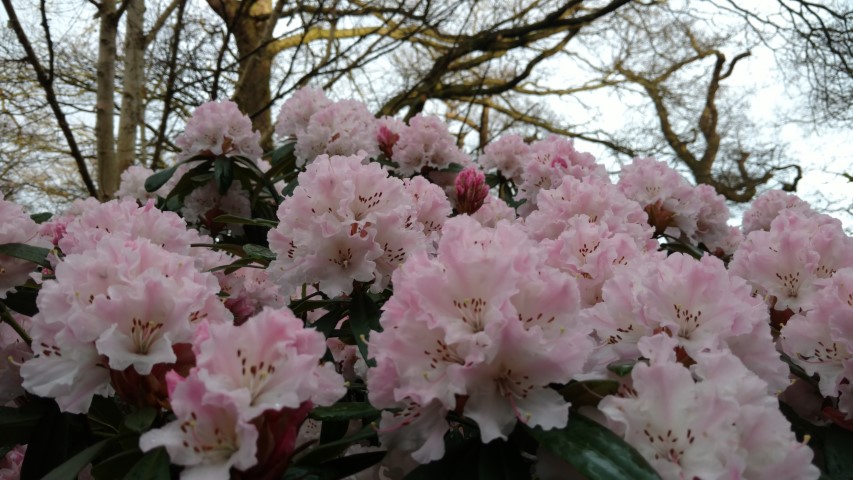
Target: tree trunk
108, 173
134, 78
252, 24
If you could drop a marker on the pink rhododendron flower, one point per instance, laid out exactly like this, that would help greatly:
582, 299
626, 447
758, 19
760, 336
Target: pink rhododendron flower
493, 327
765, 207
726, 422
114, 306
361, 226
209, 436
493, 211
431, 205
784, 263
296, 112
340, 128
471, 190
596, 200
16, 227
13, 352
205, 203
509, 155
270, 362
133, 184
388, 133
426, 142
249, 290
551, 160
10, 465
219, 128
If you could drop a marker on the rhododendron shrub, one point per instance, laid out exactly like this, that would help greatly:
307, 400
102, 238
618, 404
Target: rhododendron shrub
366, 301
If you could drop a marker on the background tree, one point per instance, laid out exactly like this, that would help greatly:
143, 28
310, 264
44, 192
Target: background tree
488, 67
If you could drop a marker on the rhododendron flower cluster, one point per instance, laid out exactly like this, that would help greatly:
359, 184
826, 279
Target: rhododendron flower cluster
15, 227
346, 221
721, 422
219, 128
483, 328
245, 375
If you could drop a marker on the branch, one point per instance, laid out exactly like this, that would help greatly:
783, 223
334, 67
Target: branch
45, 83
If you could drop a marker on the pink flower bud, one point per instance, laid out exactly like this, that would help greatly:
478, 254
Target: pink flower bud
471, 190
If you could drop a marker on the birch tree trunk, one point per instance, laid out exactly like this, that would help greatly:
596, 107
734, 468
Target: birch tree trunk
108, 173
133, 89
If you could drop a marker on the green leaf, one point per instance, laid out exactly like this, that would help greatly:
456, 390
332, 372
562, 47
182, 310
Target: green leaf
282, 153
344, 411
41, 217
837, 446
140, 420
23, 301
70, 469
55, 439
622, 368
235, 219
223, 173
290, 187
152, 466
154, 182
500, 460
322, 453
594, 451
460, 462
363, 318
335, 469
30, 253
17, 425
257, 251
117, 465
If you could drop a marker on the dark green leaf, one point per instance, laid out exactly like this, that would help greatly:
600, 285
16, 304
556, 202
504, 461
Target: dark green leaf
234, 219
322, 453
70, 469
257, 251
332, 431
223, 173
837, 448
17, 425
154, 182
595, 451
117, 465
290, 187
344, 411
335, 469
140, 420
154, 465
23, 301
105, 415
30, 253
41, 217
193, 178
623, 368
283, 153
500, 460
55, 439
363, 318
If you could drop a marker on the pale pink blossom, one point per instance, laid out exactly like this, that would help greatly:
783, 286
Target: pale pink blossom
205, 203
426, 142
341, 128
296, 111
493, 211
431, 205
209, 436
388, 133
133, 184
361, 226
550, 161
219, 128
509, 155
269, 362
765, 207
16, 227
13, 352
